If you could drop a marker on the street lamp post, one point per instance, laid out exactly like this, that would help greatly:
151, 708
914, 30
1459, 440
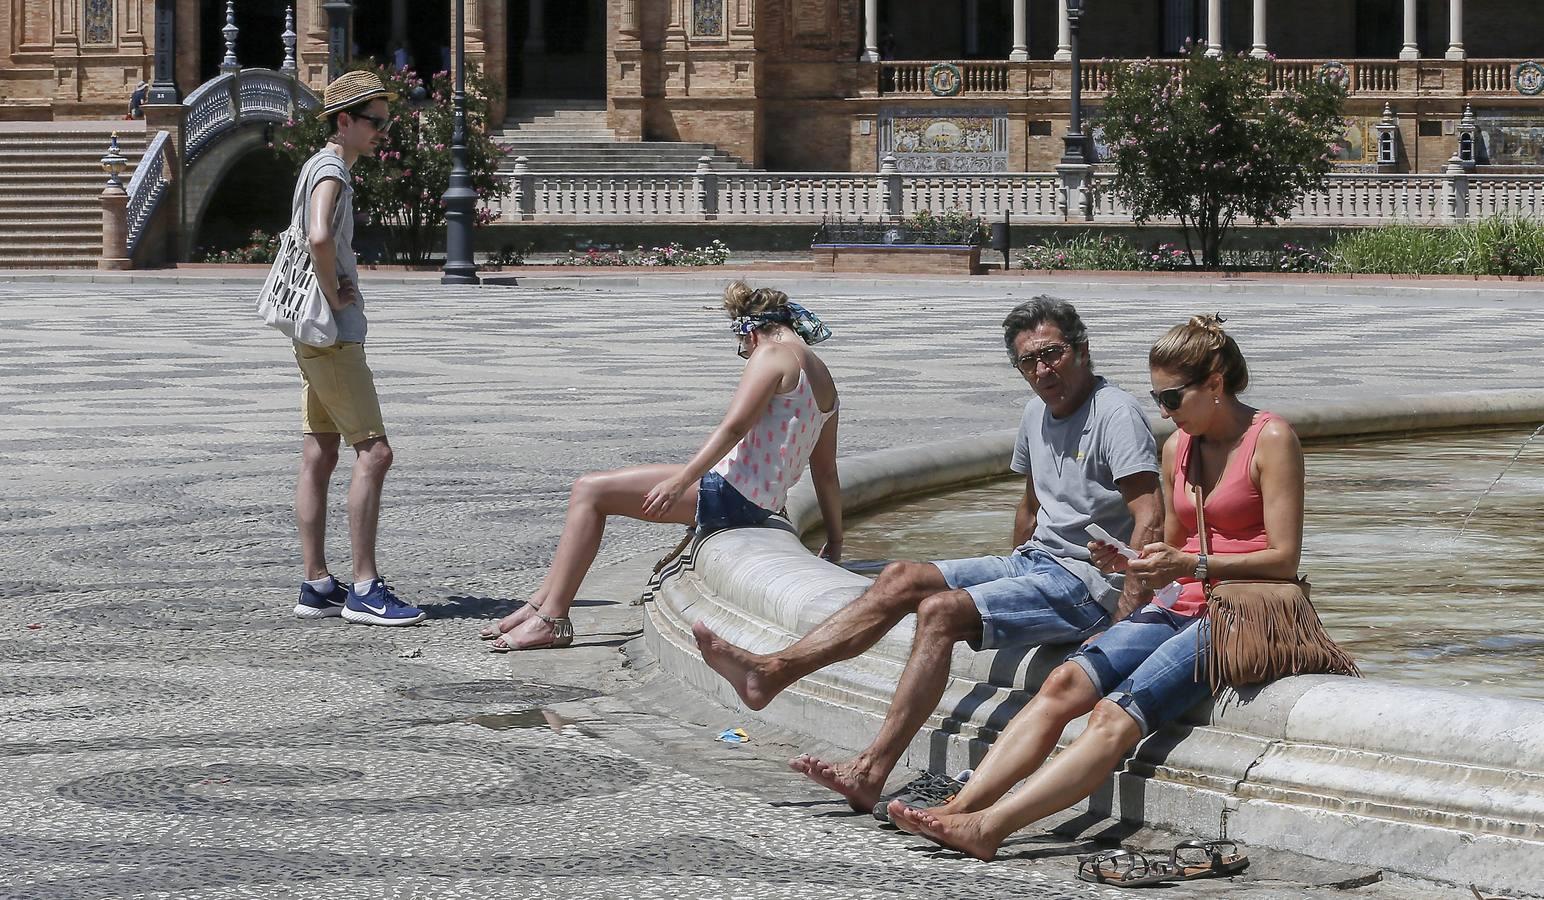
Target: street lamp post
460, 199
1075, 153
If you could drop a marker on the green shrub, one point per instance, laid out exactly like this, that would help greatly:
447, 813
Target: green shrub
1086, 251
1502, 245
261, 247
715, 253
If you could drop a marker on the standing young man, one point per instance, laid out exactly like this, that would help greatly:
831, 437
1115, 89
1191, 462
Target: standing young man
338, 400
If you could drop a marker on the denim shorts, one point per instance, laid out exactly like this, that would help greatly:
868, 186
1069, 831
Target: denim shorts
1025, 599
719, 505
1146, 664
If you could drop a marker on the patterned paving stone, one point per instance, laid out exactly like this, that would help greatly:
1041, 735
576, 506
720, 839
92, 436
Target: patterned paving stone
169, 730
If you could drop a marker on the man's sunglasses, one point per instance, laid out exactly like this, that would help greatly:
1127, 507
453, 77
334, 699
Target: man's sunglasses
379, 123
1171, 398
1051, 355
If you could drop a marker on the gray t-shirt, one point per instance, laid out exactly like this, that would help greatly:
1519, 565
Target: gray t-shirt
1074, 463
324, 165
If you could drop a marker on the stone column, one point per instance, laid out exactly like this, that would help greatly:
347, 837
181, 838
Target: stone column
163, 89
1455, 29
870, 31
1063, 32
535, 28
1412, 47
1020, 31
627, 18
1214, 28
1259, 50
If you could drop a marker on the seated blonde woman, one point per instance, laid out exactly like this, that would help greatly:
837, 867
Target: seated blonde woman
782, 418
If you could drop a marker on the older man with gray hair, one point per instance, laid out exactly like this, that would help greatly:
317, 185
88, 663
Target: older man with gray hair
1089, 458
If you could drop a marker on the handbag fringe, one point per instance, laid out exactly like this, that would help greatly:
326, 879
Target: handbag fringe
1272, 632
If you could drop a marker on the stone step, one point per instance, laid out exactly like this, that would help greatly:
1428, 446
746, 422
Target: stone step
72, 226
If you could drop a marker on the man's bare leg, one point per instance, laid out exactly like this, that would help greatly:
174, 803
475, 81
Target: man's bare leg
373, 459
758, 678
942, 620
318, 459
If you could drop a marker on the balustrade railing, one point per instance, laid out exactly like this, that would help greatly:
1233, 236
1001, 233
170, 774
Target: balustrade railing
147, 187
1352, 199
1363, 77
225, 101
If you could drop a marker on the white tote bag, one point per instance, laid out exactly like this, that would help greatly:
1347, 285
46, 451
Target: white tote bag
291, 299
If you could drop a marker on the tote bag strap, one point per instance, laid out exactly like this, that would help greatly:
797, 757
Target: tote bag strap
1192, 475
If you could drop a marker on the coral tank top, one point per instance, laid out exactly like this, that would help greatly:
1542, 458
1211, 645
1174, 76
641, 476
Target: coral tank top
1235, 511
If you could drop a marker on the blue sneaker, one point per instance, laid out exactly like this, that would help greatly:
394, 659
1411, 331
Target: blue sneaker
313, 604
379, 606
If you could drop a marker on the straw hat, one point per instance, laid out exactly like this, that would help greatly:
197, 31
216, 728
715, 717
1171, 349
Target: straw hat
352, 88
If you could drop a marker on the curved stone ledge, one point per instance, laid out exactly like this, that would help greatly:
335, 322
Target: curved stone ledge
1436, 783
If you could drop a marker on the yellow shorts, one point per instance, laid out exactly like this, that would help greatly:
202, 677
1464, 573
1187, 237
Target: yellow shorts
337, 393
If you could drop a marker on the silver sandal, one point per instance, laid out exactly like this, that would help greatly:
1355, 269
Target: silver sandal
562, 635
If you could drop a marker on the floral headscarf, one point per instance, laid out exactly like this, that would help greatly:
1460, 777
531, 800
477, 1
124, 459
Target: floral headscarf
804, 323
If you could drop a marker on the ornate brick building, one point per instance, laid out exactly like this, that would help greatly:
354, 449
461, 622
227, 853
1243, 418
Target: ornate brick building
834, 85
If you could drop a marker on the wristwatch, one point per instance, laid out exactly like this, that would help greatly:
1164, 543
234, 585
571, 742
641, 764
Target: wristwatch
1200, 567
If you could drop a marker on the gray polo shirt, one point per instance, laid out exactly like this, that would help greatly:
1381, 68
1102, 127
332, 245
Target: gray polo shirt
320, 167
1074, 463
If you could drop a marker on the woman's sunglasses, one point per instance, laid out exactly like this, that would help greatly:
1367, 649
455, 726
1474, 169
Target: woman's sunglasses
1171, 398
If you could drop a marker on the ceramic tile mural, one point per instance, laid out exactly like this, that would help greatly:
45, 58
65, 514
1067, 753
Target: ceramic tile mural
708, 17
1510, 139
945, 142
99, 21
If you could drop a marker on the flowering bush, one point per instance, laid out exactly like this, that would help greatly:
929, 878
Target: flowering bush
1085, 251
1208, 143
952, 226
401, 189
1295, 258
1164, 258
261, 247
672, 254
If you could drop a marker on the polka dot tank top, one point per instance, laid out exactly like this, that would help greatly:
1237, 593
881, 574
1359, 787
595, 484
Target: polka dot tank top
772, 455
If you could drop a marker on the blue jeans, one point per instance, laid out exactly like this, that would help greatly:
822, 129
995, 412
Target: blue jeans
1147, 664
719, 505
1025, 599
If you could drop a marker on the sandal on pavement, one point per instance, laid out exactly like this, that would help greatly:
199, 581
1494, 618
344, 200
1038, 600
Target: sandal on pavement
492, 632
1125, 868
562, 635
1206, 859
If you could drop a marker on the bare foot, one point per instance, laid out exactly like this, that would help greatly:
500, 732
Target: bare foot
532, 634
512, 620
735, 666
856, 784
961, 832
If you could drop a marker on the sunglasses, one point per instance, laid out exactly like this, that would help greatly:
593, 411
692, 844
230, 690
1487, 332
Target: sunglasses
743, 349
1171, 398
1051, 355
379, 123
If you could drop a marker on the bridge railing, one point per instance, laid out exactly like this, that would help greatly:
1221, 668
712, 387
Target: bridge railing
151, 179
228, 100
707, 195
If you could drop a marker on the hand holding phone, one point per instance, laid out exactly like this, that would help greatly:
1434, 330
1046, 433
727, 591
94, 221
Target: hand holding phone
1104, 537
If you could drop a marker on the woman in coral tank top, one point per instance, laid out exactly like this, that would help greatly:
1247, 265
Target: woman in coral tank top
1141, 673
781, 419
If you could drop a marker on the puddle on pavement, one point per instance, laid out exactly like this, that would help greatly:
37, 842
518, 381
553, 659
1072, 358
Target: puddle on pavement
529, 718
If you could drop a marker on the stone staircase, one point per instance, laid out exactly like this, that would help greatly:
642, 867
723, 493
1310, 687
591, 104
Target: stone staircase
50, 178
571, 136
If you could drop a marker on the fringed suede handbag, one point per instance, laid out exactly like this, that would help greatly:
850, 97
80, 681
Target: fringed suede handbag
1262, 630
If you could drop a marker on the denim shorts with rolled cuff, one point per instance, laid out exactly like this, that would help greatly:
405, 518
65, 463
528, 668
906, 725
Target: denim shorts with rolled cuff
1025, 599
1146, 664
720, 506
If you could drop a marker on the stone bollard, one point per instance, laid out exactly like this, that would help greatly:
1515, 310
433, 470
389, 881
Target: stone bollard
890, 187
1077, 198
1457, 189
706, 187
524, 200
115, 211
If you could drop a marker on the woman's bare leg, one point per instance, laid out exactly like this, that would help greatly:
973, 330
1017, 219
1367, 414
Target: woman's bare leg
1071, 776
595, 496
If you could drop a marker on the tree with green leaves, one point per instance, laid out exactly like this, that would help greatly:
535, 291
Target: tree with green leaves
1207, 142
401, 189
